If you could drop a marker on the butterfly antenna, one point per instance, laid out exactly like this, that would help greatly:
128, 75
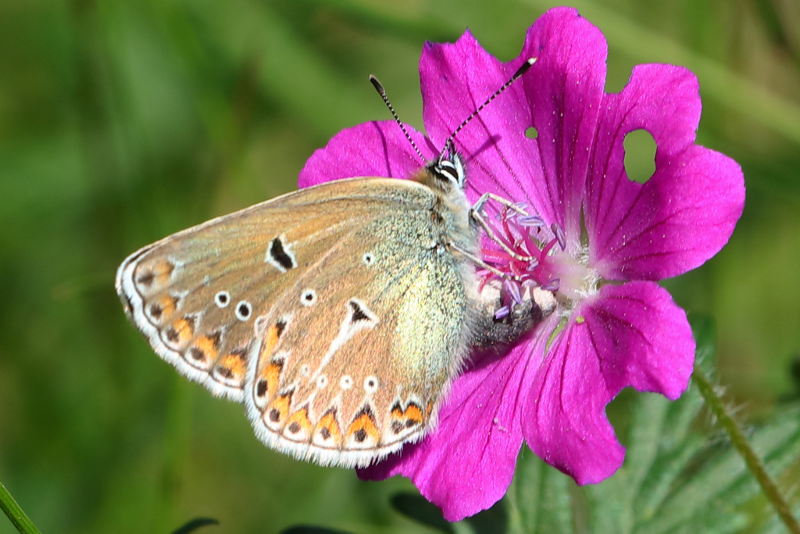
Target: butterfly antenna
448, 145
381, 91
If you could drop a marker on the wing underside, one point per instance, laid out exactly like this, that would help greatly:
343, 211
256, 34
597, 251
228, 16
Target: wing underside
331, 311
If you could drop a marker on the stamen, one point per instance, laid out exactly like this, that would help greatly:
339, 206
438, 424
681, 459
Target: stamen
559, 233
513, 291
523, 251
552, 285
532, 221
502, 313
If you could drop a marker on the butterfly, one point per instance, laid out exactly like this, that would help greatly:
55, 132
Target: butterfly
338, 314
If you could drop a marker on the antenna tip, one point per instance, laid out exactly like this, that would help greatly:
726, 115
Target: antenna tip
374, 81
525, 66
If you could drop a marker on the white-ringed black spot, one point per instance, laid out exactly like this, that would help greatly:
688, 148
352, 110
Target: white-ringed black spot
222, 299
346, 382
322, 381
371, 384
305, 370
308, 297
243, 310
368, 258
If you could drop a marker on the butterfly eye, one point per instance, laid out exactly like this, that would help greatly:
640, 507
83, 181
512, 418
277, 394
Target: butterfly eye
222, 299
243, 310
449, 170
308, 298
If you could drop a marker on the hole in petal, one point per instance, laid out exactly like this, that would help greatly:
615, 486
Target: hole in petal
640, 155
531, 133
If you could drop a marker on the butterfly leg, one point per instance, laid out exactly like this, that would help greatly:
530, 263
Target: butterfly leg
482, 264
477, 214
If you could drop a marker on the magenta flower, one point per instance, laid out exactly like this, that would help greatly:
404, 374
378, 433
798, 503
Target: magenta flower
600, 240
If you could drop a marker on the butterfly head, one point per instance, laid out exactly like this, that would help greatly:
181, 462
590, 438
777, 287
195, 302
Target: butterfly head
447, 172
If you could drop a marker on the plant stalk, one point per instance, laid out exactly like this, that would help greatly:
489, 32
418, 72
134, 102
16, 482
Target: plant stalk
15, 513
751, 459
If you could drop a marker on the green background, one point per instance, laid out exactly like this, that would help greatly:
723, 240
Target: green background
122, 122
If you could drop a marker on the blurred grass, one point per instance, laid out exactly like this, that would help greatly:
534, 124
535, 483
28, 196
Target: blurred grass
122, 122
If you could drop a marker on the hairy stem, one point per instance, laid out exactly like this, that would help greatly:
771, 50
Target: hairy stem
15, 513
751, 459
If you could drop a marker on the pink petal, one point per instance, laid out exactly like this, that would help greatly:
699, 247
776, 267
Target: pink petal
467, 463
559, 96
376, 148
629, 335
685, 213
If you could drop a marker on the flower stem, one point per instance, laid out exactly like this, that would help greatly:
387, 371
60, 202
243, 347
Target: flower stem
751, 459
15, 513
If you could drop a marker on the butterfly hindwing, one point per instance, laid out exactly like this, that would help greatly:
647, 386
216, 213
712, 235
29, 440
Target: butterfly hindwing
354, 358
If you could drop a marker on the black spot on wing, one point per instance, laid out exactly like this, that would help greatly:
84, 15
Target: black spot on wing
156, 311
146, 279
358, 313
279, 255
280, 326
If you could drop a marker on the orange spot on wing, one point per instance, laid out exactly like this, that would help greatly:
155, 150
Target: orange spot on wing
327, 431
270, 341
402, 422
233, 366
163, 308
277, 410
298, 426
271, 375
363, 429
162, 271
413, 413
208, 346
181, 331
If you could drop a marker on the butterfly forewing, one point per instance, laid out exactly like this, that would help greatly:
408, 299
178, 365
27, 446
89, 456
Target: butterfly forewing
335, 304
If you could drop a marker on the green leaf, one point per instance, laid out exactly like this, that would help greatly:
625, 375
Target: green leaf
311, 529
417, 508
195, 524
539, 498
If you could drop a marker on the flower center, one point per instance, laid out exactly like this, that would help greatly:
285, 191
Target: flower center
525, 253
